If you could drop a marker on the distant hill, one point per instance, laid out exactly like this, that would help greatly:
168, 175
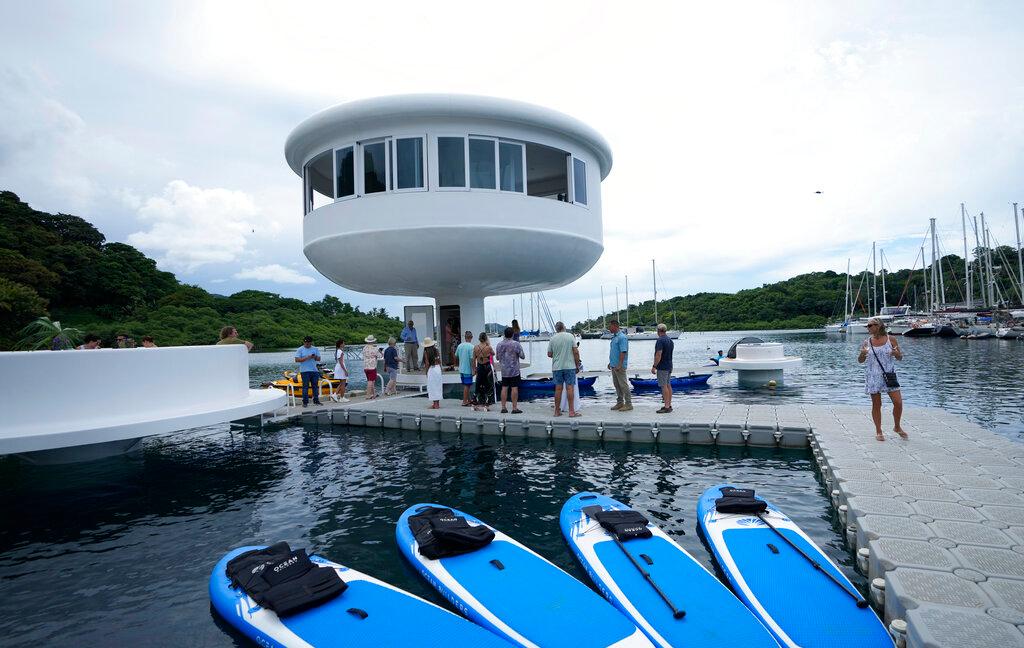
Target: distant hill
61, 266
805, 301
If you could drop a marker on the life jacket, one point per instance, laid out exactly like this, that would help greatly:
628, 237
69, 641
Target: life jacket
626, 525
739, 500
440, 533
283, 580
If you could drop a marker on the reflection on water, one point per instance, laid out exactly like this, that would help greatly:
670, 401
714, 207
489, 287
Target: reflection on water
128, 543
980, 379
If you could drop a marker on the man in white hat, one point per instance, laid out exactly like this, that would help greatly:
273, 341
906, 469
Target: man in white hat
371, 354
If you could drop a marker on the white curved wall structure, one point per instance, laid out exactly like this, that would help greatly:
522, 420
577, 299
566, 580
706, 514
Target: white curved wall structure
111, 395
450, 196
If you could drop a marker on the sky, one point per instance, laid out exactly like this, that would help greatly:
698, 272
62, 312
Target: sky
164, 125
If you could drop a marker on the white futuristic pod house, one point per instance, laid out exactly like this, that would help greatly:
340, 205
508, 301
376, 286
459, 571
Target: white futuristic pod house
454, 197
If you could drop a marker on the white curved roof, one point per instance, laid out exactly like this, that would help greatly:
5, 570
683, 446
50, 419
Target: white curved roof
309, 136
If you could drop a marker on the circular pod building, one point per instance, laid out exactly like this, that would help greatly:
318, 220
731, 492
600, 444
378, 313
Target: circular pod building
453, 197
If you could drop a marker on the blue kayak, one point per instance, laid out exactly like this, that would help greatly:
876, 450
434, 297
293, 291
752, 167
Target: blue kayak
546, 384
368, 613
799, 603
677, 382
519, 595
714, 616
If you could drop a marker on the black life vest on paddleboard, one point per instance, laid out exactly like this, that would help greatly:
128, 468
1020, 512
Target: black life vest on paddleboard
440, 533
626, 525
283, 580
739, 500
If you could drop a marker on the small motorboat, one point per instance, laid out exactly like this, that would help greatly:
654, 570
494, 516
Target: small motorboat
920, 328
546, 384
677, 382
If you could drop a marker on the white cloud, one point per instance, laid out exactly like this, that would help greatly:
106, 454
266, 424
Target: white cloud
276, 273
190, 227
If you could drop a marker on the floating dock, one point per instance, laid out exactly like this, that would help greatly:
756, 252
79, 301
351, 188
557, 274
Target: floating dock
936, 522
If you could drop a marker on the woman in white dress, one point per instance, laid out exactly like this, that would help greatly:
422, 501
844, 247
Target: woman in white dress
432, 367
340, 372
878, 355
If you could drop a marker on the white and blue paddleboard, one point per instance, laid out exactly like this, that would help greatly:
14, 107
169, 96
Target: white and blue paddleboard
714, 617
368, 613
799, 603
519, 595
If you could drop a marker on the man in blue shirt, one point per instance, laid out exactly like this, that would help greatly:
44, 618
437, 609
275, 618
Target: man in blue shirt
391, 367
464, 354
307, 356
662, 367
412, 345
617, 362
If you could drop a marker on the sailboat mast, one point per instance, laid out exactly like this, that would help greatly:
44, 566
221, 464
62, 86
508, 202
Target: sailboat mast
604, 316
874, 282
967, 259
981, 268
942, 281
924, 273
884, 302
1020, 266
627, 302
654, 276
846, 301
989, 299
618, 311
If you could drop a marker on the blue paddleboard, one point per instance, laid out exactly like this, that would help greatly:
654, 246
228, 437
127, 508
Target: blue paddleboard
801, 605
714, 617
392, 617
519, 595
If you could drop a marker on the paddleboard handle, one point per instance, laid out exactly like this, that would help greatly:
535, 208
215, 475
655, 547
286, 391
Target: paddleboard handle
861, 601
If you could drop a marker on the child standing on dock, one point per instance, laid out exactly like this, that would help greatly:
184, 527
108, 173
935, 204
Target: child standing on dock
880, 375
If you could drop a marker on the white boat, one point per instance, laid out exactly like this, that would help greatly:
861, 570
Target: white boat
674, 334
1010, 332
838, 328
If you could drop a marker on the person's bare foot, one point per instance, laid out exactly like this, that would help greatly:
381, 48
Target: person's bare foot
879, 436
899, 431
557, 413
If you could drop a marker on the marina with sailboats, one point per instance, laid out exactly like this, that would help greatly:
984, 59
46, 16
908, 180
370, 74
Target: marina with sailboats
985, 301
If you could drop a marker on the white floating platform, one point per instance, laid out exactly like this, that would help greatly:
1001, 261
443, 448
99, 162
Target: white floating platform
95, 403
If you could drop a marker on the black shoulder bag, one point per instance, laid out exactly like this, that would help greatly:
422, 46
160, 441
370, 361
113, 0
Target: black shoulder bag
891, 381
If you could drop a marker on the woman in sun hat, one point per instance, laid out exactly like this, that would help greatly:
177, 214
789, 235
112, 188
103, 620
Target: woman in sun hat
432, 367
881, 350
371, 354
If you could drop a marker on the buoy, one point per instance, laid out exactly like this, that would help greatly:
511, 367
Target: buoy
878, 593
898, 630
772, 384
863, 554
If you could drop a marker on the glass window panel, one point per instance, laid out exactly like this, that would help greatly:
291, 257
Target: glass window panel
307, 191
481, 164
510, 166
451, 161
409, 163
547, 172
579, 180
345, 163
320, 180
375, 167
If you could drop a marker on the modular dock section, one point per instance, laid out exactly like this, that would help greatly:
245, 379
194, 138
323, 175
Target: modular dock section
936, 521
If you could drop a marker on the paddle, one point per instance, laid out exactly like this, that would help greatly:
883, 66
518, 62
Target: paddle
861, 602
676, 613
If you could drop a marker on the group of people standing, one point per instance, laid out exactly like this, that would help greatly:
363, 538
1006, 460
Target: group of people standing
477, 362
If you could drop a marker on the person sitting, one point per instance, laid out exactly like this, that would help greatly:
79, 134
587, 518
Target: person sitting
718, 360
90, 342
229, 335
147, 342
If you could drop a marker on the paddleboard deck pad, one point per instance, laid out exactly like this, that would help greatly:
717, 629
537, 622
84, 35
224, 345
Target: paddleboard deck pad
516, 593
713, 615
368, 612
772, 572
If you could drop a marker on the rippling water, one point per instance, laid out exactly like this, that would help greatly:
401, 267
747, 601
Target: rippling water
118, 552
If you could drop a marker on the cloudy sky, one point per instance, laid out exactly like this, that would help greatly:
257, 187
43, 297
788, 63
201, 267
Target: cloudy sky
164, 124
